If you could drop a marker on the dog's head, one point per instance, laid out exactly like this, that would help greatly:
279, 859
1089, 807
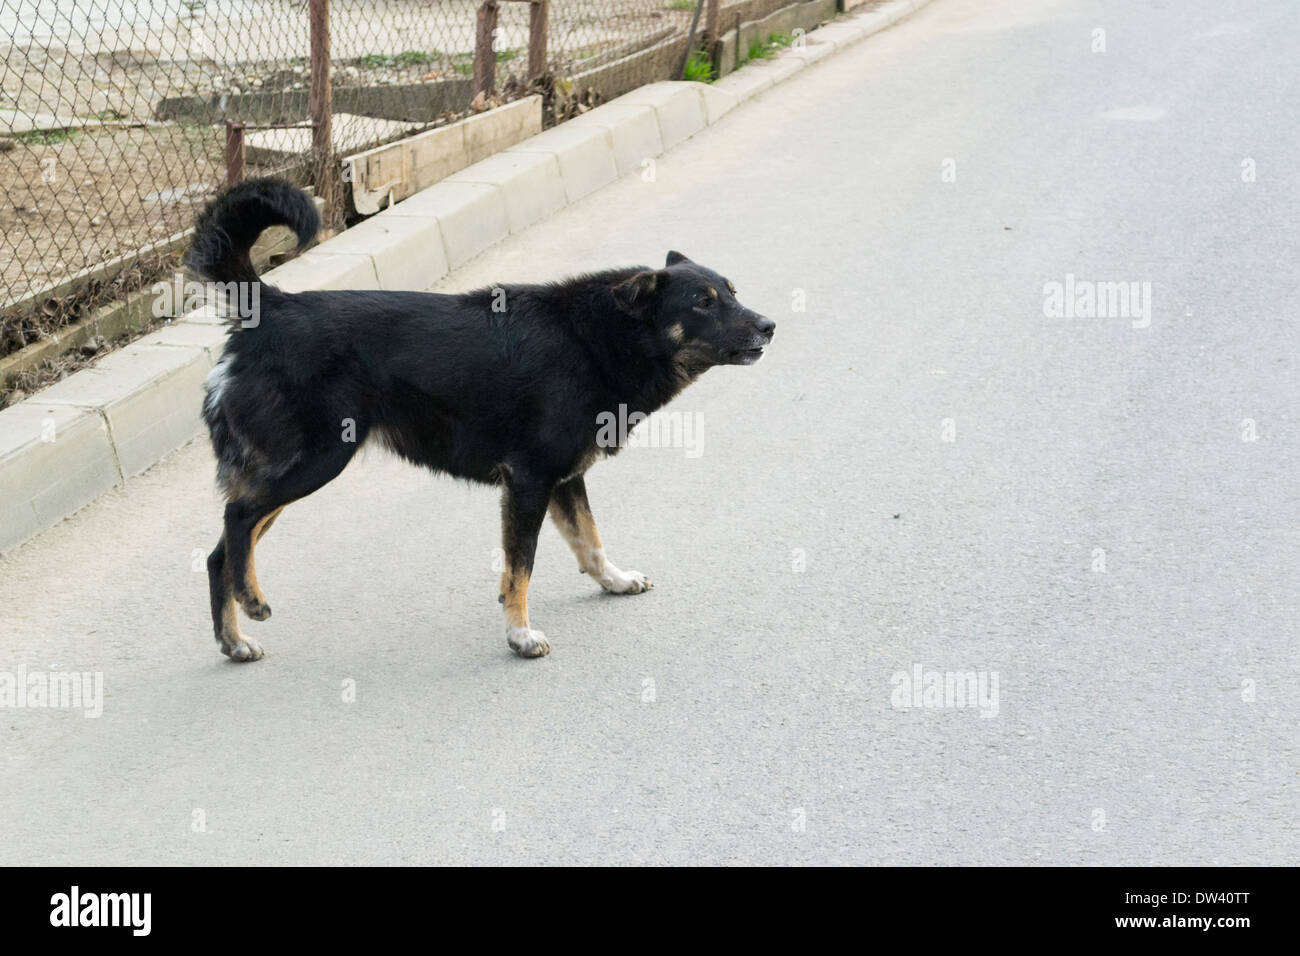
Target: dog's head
694, 311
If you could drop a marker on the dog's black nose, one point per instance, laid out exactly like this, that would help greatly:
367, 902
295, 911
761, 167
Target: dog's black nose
765, 326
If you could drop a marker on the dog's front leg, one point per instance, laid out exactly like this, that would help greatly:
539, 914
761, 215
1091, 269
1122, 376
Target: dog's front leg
572, 515
523, 509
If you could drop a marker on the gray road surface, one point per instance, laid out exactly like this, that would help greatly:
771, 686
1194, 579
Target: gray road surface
829, 536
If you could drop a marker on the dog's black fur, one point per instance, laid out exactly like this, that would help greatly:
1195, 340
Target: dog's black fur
501, 386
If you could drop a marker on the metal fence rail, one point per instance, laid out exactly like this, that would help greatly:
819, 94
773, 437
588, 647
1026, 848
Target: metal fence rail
115, 115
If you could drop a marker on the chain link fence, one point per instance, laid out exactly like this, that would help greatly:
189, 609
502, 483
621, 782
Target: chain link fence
115, 114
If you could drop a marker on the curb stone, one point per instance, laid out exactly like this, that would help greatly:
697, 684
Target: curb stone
403, 250
529, 184
53, 460
472, 216
136, 390
679, 106
633, 129
585, 155
323, 268
81, 437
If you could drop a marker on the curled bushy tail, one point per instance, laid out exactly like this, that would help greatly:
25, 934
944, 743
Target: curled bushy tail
230, 224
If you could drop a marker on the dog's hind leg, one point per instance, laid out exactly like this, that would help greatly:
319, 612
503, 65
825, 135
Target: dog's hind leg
246, 522
225, 615
523, 508
572, 515
261, 530
248, 591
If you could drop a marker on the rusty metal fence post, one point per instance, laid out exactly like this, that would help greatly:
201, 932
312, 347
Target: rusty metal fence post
325, 174
234, 152
711, 34
538, 24
485, 56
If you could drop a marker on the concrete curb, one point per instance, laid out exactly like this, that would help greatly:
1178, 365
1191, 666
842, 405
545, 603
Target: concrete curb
62, 448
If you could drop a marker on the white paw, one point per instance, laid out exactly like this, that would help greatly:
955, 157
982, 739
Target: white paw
526, 642
242, 649
624, 582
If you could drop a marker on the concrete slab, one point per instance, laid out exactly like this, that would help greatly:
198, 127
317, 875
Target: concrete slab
349, 132
393, 172
201, 335
633, 130
530, 185
151, 396
745, 83
778, 69
407, 251
679, 107
842, 32
718, 102
206, 314
811, 52
54, 459
489, 133
585, 155
470, 216
316, 269
15, 122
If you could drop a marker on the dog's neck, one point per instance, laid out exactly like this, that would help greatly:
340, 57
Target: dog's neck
638, 369
664, 378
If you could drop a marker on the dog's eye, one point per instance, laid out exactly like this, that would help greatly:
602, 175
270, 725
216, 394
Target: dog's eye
704, 302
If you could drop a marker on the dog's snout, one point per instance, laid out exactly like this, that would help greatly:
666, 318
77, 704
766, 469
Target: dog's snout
764, 326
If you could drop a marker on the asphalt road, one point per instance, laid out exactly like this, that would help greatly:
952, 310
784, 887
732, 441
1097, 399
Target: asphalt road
926, 471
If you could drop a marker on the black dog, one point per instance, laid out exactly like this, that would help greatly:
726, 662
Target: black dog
501, 386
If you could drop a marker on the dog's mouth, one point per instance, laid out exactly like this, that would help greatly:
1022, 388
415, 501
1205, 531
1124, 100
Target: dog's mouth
749, 353
745, 352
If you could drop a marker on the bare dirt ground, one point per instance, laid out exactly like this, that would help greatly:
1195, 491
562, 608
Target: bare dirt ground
76, 198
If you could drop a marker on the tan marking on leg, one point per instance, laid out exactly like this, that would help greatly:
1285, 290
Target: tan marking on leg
233, 643
249, 592
514, 595
264, 525
583, 538
253, 598
584, 541
522, 639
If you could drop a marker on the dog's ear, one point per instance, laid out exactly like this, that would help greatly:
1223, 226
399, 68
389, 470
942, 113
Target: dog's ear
636, 294
675, 257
